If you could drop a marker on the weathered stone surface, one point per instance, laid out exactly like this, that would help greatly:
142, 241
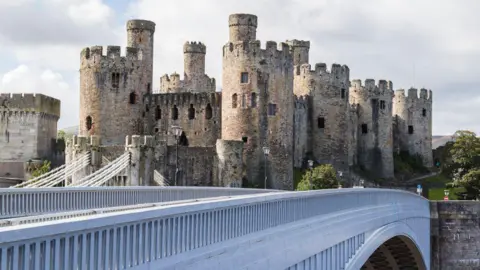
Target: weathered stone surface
455, 229
229, 163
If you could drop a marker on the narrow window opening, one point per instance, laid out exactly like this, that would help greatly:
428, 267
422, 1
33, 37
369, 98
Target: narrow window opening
156, 130
244, 101
253, 100
88, 122
115, 80
158, 113
208, 112
149, 88
175, 112
183, 140
146, 108
132, 98
410, 129
191, 112
245, 139
272, 109
244, 77
382, 104
424, 112
321, 122
343, 92
234, 101
364, 129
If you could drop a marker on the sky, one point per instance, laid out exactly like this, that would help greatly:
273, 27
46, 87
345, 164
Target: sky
430, 43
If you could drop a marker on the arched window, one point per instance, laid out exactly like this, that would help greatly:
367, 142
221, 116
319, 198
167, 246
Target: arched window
88, 122
424, 112
253, 100
208, 112
191, 112
175, 112
158, 113
234, 101
133, 98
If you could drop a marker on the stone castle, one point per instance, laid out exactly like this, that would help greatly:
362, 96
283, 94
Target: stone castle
271, 97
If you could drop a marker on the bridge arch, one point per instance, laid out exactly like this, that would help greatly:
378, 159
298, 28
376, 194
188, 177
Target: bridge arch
395, 246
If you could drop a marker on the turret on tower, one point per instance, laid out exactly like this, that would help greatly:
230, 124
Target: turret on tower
243, 27
300, 51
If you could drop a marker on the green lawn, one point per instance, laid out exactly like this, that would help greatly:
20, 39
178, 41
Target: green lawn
436, 194
437, 188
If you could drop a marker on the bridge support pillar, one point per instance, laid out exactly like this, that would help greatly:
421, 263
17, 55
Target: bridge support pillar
140, 171
80, 146
229, 158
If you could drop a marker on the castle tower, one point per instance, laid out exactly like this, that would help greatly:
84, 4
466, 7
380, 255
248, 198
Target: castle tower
329, 117
374, 131
413, 123
112, 87
300, 51
257, 102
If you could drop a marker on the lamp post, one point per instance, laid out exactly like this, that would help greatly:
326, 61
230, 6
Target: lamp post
340, 174
310, 165
177, 131
266, 151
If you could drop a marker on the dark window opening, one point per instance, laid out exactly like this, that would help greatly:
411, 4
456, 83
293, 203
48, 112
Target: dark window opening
234, 101
143, 114
146, 108
410, 129
321, 122
364, 129
244, 77
272, 109
115, 80
244, 101
253, 100
158, 113
245, 139
175, 112
149, 88
343, 92
133, 98
424, 112
191, 112
208, 112
88, 122
183, 140
156, 130
382, 104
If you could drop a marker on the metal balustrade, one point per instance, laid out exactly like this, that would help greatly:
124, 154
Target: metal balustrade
34, 201
144, 238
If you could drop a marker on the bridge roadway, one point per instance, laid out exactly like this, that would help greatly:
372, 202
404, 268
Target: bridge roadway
326, 229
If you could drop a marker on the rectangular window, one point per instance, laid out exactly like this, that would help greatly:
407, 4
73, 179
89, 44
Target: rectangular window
424, 112
364, 129
272, 109
343, 92
382, 104
321, 122
244, 77
410, 129
115, 80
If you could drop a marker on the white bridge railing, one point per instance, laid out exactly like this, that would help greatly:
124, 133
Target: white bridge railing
34, 201
156, 238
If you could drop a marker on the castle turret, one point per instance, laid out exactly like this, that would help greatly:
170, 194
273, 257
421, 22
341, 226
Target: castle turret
413, 123
375, 135
257, 102
243, 27
300, 51
140, 35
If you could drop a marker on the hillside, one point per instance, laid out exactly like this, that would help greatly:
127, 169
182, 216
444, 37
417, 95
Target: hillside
439, 140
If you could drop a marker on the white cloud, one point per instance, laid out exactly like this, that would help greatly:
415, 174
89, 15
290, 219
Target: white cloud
27, 79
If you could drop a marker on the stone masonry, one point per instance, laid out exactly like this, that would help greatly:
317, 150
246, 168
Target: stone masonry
271, 97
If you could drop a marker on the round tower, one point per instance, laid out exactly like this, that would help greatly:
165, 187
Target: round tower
257, 103
375, 134
243, 27
194, 65
300, 51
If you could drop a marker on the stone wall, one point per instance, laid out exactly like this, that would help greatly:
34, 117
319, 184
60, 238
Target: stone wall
229, 164
301, 130
374, 126
258, 103
413, 123
195, 80
455, 239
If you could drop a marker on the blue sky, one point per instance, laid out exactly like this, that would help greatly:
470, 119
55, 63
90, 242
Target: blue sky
40, 43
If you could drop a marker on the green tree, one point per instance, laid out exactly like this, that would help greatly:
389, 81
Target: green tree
322, 177
465, 162
61, 134
42, 169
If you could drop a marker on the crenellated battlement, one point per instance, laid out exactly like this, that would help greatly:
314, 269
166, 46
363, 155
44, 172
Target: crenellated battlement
414, 94
241, 19
95, 56
253, 49
298, 43
370, 84
371, 89
30, 103
321, 69
140, 25
174, 83
202, 99
194, 47
138, 140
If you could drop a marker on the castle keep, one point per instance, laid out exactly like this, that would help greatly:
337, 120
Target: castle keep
271, 97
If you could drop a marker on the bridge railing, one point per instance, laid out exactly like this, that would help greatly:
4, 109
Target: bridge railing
154, 236
34, 201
